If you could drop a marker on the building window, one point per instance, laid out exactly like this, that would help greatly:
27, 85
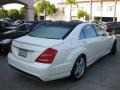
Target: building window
81, 8
74, 8
110, 8
98, 8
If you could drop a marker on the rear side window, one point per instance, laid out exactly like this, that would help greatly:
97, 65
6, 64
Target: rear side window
89, 31
50, 32
82, 35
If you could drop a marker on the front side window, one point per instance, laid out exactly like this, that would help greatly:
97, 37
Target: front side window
110, 8
100, 31
89, 31
98, 8
50, 32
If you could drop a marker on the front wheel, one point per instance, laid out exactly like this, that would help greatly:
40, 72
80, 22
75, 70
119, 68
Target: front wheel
78, 68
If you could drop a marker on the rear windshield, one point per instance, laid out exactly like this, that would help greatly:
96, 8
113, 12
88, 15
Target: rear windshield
50, 32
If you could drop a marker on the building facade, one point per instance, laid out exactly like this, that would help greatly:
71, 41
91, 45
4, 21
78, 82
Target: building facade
108, 8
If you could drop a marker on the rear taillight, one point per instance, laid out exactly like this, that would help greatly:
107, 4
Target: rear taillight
47, 56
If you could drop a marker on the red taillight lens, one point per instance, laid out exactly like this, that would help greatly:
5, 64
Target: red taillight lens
47, 56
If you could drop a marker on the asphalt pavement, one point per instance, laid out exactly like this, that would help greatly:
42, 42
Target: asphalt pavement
102, 75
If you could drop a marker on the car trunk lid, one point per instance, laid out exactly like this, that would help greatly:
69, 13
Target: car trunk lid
29, 48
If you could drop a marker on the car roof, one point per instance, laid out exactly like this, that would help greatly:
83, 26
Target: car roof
70, 24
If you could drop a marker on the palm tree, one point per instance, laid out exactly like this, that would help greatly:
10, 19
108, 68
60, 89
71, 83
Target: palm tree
101, 3
90, 10
70, 3
115, 11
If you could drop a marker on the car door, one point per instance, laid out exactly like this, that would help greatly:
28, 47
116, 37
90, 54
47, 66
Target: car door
88, 39
105, 40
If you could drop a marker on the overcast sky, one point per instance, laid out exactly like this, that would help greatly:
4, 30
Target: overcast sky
18, 6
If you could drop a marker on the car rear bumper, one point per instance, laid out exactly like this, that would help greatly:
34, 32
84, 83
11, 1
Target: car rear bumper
34, 69
23, 72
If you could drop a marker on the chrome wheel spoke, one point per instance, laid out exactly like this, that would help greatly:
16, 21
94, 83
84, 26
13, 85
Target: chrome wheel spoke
80, 66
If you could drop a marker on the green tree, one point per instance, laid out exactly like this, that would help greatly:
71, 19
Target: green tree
70, 3
22, 12
51, 9
82, 13
13, 14
3, 13
44, 7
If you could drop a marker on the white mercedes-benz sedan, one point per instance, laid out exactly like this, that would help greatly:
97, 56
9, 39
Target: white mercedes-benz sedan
60, 49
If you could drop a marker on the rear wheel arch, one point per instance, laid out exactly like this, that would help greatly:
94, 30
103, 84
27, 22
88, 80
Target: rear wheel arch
81, 55
75, 73
84, 56
115, 41
114, 47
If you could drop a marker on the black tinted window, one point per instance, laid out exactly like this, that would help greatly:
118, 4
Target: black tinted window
89, 31
2, 24
23, 27
82, 35
7, 25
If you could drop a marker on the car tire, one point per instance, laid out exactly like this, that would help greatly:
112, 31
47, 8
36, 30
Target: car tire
114, 48
78, 68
